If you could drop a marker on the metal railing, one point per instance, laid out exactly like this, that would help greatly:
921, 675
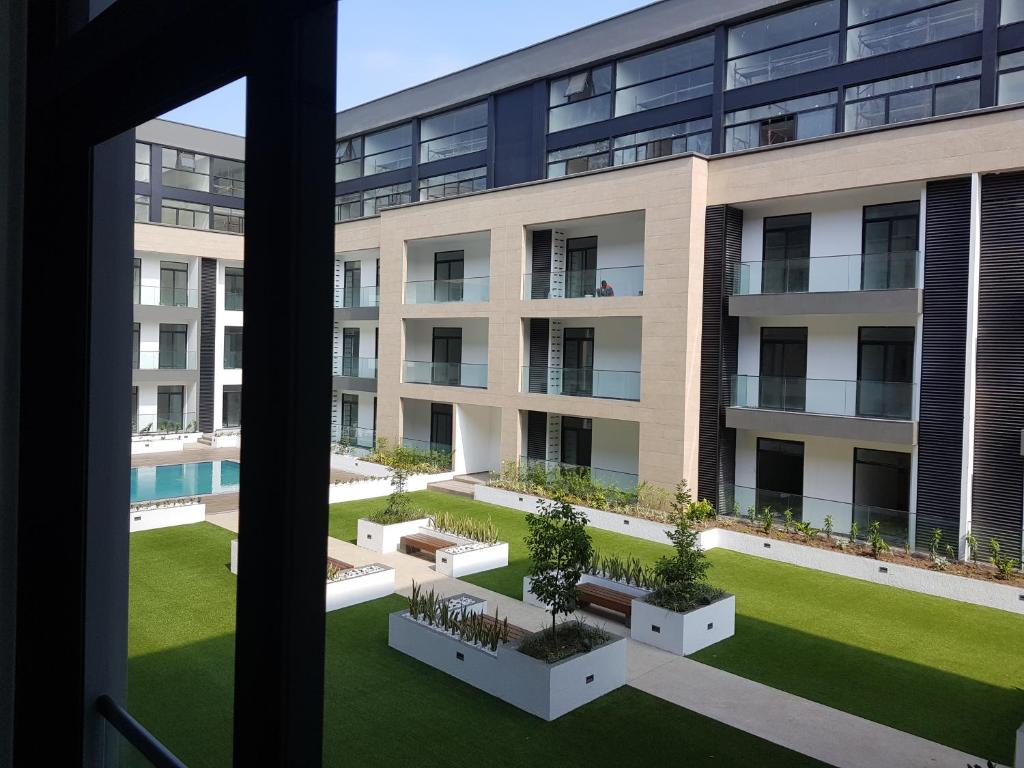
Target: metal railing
153, 360
466, 289
446, 374
584, 283
359, 367
136, 734
160, 296
168, 424
832, 397
625, 481
352, 436
441, 453
823, 274
581, 382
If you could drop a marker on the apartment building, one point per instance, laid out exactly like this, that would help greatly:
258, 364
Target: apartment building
773, 248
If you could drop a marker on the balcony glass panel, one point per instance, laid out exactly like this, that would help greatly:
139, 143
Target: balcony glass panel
359, 367
445, 291
155, 424
587, 283
152, 360
446, 374
830, 397
822, 274
585, 382
353, 437
156, 296
556, 470
357, 297
897, 33
441, 452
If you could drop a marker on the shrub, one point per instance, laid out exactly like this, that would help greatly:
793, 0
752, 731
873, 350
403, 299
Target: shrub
470, 627
936, 542
466, 527
398, 508
682, 598
828, 527
854, 532
412, 460
787, 519
689, 564
567, 639
972, 545
805, 528
767, 519
1004, 565
628, 571
879, 545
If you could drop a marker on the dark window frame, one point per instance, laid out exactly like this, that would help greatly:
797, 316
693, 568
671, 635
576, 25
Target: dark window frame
233, 350
708, 65
887, 96
425, 144
852, 28
234, 288
230, 392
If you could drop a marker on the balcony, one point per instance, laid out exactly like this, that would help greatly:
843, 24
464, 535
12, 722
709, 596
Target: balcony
584, 284
581, 382
165, 360
559, 473
440, 453
355, 298
355, 373
859, 410
887, 283
472, 375
894, 524
156, 303
352, 436
467, 289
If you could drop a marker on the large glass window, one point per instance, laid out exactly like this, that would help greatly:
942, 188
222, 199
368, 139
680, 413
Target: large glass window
454, 133
170, 408
802, 118
233, 346
173, 341
173, 284
453, 184
228, 177
1011, 78
136, 338
785, 44
228, 219
234, 284
181, 213
231, 413
885, 372
890, 242
348, 159
581, 98
383, 197
786, 253
348, 206
387, 150
885, 26
694, 136
141, 161
1011, 11
584, 157
186, 170
136, 280
666, 76
142, 207
912, 97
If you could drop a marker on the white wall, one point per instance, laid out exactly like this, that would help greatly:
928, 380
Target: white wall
416, 419
477, 439
367, 335
615, 446
616, 341
419, 338
368, 270
620, 238
476, 245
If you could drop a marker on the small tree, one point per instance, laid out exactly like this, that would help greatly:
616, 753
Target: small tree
689, 565
398, 505
560, 550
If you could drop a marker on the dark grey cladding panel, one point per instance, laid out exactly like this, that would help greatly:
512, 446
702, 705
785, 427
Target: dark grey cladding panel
165, 376
891, 431
907, 301
943, 358
143, 313
356, 313
998, 493
207, 341
355, 384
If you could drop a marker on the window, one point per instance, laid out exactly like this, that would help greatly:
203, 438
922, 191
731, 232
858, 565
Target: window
885, 372
446, 357
141, 161
136, 329
349, 351
142, 207
185, 170
694, 136
454, 133
135, 410
453, 184
666, 76
585, 157
173, 284
348, 206
232, 347
181, 213
890, 238
228, 219
580, 98
383, 197
912, 97
173, 339
802, 118
231, 412
1011, 78
351, 284
784, 44
881, 483
350, 418
786, 254
136, 280
580, 267
1011, 11
233, 288
348, 159
782, 382
387, 150
170, 408
885, 26
228, 177
449, 271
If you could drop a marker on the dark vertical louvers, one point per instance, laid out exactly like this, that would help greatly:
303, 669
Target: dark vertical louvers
716, 457
540, 265
536, 435
207, 341
998, 494
943, 358
540, 329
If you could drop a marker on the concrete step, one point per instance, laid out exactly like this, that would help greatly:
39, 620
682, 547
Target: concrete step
205, 440
453, 487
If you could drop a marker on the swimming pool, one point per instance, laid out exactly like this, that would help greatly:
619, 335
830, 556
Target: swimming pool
173, 480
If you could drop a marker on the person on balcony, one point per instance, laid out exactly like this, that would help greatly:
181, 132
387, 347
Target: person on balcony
605, 289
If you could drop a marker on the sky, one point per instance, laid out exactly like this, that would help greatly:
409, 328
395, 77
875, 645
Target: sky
387, 45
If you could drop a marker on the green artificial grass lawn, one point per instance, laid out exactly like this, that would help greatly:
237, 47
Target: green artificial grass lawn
947, 671
382, 708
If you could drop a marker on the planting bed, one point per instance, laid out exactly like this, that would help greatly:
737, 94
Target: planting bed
151, 515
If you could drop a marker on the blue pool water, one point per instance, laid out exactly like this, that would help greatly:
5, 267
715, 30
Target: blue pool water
173, 480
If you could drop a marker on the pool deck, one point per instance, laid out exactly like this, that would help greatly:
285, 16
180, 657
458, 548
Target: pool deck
192, 453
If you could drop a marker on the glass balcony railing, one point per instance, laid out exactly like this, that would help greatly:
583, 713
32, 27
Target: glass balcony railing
556, 470
467, 289
157, 296
446, 374
353, 436
582, 382
823, 274
359, 367
870, 399
737, 500
350, 298
584, 283
440, 453
163, 423
165, 359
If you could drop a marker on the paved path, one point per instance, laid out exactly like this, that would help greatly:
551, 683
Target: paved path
192, 452
826, 734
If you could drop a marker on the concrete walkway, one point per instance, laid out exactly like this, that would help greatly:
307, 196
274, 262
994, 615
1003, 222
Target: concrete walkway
826, 734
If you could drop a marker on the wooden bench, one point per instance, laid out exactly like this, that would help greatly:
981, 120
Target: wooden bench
613, 600
421, 542
342, 566
515, 634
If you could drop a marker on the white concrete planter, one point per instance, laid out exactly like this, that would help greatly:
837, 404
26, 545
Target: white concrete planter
360, 584
587, 578
545, 690
473, 557
150, 518
370, 488
683, 633
227, 440
386, 538
234, 556
142, 444
357, 466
